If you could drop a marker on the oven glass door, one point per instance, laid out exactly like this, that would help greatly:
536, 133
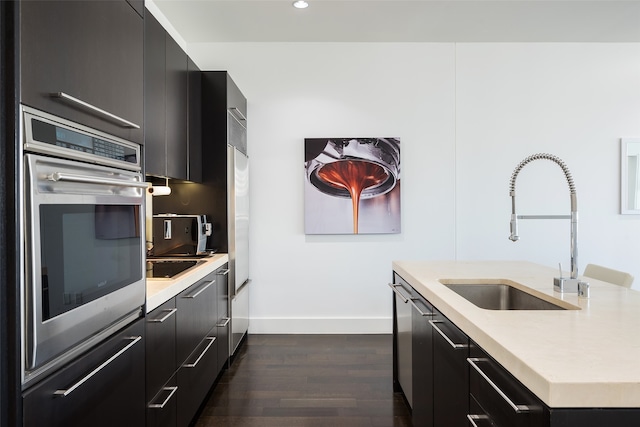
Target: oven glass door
84, 255
87, 251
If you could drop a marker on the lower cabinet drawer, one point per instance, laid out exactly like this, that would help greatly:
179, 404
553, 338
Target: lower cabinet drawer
162, 410
104, 387
196, 377
501, 399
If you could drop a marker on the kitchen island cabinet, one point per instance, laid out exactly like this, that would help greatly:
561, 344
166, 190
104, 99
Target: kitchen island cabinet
83, 61
556, 363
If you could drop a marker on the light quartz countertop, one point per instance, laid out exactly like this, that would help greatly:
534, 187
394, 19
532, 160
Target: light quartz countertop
160, 291
579, 358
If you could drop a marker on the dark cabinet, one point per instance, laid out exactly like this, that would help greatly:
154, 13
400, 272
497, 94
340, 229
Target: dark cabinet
497, 397
83, 61
223, 323
197, 315
176, 109
450, 373
194, 122
155, 155
161, 365
422, 362
172, 107
104, 387
187, 347
403, 342
197, 343
162, 409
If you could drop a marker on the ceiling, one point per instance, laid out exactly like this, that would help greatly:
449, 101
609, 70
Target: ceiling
404, 21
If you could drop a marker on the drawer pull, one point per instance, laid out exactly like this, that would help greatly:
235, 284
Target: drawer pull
394, 287
170, 313
518, 409
451, 343
201, 290
171, 390
94, 109
422, 313
225, 323
223, 272
237, 114
193, 365
473, 418
68, 391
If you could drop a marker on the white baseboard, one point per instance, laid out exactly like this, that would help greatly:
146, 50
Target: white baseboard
375, 325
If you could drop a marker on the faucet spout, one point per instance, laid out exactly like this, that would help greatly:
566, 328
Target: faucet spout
574, 209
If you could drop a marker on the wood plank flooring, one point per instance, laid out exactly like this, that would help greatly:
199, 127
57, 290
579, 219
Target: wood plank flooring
308, 381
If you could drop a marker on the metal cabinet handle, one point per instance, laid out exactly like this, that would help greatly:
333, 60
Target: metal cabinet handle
85, 179
226, 322
473, 418
199, 291
451, 343
237, 113
170, 313
68, 391
223, 272
518, 409
422, 313
171, 390
394, 288
94, 109
193, 365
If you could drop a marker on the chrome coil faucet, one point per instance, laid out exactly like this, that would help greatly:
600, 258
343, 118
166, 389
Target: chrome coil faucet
561, 284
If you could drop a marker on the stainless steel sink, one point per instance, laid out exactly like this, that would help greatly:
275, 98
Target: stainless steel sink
501, 296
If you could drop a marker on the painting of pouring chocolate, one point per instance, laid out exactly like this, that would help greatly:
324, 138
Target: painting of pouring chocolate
352, 185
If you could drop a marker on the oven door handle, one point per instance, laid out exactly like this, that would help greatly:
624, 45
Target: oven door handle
86, 179
68, 391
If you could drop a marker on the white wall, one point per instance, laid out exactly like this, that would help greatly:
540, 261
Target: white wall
466, 115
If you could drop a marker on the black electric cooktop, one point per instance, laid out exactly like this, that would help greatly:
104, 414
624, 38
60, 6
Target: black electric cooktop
168, 268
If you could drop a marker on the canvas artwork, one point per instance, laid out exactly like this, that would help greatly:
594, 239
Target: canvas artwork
352, 185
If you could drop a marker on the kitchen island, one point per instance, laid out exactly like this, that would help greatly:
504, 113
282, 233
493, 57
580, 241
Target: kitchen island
585, 356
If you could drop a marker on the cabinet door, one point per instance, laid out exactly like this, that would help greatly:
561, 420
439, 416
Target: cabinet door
162, 409
161, 346
403, 339
154, 97
176, 109
196, 316
91, 51
196, 377
104, 387
422, 361
450, 374
194, 118
499, 397
237, 124
222, 327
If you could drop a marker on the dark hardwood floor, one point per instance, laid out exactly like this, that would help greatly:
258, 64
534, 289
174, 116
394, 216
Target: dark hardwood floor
308, 381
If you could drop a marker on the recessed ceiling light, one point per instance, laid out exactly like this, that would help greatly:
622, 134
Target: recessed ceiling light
300, 4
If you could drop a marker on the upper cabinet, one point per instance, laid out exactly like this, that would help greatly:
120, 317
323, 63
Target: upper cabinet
225, 108
83, 61
172, 107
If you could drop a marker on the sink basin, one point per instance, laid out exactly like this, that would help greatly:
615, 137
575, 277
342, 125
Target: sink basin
502, 296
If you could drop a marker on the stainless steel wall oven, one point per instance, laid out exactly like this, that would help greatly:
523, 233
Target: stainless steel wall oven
83, 210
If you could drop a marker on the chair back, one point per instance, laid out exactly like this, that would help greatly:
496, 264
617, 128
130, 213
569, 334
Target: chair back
609, 275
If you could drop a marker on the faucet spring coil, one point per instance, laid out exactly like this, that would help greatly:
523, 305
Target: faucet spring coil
538, 156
